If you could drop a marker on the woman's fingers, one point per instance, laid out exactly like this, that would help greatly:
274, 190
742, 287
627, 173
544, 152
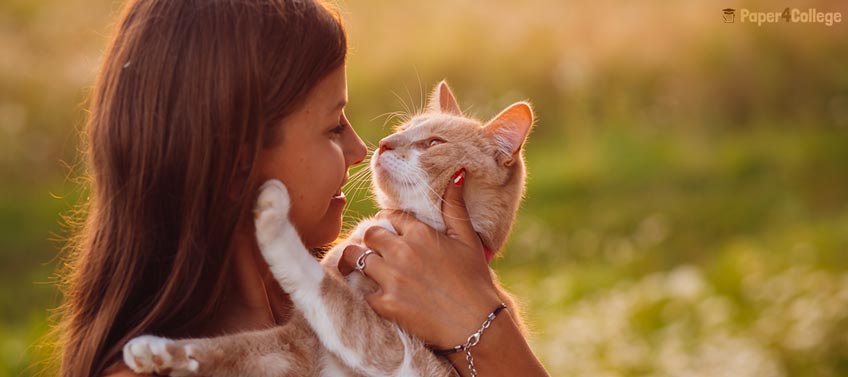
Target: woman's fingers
403, 222
374, 265
387, 242
384, 244
347, 263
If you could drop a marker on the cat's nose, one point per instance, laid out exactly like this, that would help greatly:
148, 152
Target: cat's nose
385, 146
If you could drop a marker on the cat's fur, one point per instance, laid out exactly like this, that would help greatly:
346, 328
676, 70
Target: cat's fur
334, 332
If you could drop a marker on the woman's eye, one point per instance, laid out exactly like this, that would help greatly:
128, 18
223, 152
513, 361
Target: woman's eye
339, 129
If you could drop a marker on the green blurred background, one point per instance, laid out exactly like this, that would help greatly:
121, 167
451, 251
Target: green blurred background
687, 207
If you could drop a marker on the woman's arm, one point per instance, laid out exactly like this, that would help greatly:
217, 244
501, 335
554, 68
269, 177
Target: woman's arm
439, 288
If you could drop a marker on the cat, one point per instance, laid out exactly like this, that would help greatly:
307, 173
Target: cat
334, 332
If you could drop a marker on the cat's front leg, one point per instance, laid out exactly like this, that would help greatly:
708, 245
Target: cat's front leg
287, 350
304, 279
293, 266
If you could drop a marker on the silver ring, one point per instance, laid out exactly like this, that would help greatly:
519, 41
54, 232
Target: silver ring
360, 261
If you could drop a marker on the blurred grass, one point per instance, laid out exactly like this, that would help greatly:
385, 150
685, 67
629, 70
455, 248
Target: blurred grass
687, 207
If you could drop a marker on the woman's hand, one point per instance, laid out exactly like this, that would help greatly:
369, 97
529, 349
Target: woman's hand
437, 286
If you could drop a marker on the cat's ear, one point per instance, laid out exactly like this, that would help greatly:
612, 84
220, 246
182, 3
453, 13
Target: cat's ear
509, 129
443, 101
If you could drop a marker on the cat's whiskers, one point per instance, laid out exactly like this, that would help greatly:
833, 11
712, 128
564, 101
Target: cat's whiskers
411, 100
421, 95
357, 189
364, 176
356, 183
401, 116
406, 108
361, 186
359, 176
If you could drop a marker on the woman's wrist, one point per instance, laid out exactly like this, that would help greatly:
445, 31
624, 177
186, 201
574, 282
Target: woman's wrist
474, 338
501, 351
466, 304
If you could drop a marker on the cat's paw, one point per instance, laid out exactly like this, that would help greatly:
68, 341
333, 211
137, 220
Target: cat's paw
272, 210
153, 354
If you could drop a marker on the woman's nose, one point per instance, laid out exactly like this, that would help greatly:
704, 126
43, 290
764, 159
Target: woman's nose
356, 150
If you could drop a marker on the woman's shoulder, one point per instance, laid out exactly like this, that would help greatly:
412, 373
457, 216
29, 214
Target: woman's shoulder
126, 373
121, 370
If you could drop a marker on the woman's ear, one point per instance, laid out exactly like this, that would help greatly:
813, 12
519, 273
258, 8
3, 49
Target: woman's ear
509, 129
442, 100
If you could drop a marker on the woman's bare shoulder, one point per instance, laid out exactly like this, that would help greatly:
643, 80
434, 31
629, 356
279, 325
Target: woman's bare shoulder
126, 373
121, 370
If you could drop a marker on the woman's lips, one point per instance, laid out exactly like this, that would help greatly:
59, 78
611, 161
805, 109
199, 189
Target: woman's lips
340, 194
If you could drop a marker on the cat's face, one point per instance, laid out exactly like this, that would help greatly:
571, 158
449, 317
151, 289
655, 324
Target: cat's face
414, 165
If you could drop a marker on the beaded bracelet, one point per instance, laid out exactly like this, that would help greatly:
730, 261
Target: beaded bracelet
472, 340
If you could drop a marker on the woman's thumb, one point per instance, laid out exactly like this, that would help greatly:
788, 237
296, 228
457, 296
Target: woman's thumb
457, 223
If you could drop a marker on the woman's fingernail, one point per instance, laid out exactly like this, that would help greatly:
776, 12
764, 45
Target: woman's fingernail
458, 177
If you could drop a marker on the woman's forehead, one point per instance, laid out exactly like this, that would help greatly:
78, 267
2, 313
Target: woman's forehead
330, 94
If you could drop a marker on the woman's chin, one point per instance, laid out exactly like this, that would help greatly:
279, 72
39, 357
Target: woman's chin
324, 233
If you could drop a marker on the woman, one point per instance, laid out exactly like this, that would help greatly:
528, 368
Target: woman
198, 102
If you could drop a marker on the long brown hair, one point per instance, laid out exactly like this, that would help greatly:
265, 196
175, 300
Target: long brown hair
187, 93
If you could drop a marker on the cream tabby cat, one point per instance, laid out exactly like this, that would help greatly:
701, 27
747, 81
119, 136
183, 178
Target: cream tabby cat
334, 332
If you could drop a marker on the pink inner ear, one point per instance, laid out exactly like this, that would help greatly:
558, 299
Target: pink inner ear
511, 126
443, 101
447, 101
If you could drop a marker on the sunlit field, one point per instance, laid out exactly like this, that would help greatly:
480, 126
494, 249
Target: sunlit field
687, 203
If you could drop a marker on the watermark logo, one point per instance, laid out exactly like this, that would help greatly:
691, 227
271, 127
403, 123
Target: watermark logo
790, 15
729, 15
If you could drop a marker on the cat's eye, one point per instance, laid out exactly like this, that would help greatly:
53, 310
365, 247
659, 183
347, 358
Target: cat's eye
432, 142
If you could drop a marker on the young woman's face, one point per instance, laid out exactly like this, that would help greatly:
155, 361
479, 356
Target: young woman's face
318, 146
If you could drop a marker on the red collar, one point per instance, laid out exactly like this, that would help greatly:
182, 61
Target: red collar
486, 250
489, 254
